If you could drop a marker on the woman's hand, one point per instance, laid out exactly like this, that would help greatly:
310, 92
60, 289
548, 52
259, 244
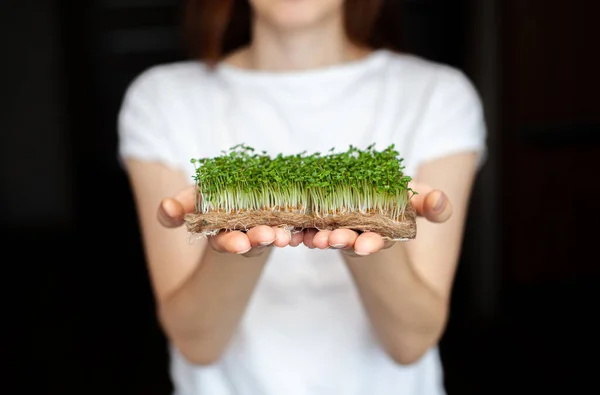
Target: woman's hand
171, 212
429, 203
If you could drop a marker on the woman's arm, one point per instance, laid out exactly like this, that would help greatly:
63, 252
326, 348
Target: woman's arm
406, 288
201, 289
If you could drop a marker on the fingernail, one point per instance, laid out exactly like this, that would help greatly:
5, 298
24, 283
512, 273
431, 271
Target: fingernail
243, 252
267, 243
337, 245
362, 253
439, 204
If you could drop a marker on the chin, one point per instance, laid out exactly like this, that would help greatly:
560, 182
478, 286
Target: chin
296, 14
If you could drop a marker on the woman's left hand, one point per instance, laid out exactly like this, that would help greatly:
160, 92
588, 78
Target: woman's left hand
429, 203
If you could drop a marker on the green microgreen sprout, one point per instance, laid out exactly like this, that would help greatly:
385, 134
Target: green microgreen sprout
352, 181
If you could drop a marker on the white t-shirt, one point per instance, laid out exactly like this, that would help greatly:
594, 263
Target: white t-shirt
305, 331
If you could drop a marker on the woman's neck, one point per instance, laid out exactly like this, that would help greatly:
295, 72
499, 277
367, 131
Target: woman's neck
274, 50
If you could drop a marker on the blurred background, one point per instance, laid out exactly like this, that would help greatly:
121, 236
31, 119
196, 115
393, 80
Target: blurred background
79, 308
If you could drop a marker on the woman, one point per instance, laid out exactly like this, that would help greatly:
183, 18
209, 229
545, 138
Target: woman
342, 313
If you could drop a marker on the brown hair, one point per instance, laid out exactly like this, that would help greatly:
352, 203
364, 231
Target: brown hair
214, 28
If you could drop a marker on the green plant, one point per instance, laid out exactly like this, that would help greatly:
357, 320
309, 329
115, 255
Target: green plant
320, 185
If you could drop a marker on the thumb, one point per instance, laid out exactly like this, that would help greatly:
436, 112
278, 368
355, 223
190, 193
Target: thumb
430, 203
436, 207
170, 213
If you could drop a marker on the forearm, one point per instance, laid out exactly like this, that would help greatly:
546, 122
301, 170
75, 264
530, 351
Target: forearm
407, 315
201, 316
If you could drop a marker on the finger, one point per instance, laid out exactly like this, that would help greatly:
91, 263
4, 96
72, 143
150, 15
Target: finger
297, 238
368, 243
282, 237
172, 210
261, 236
234, 242
321, 239
436, 207
430, 203
170, 213
309, 235
342, 238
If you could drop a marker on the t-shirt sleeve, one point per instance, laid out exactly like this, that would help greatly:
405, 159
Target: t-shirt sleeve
454, 120
143, 132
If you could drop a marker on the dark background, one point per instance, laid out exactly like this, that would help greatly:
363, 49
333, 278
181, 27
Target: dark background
77, 301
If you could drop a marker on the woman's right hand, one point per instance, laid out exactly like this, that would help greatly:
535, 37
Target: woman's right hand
253, 242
